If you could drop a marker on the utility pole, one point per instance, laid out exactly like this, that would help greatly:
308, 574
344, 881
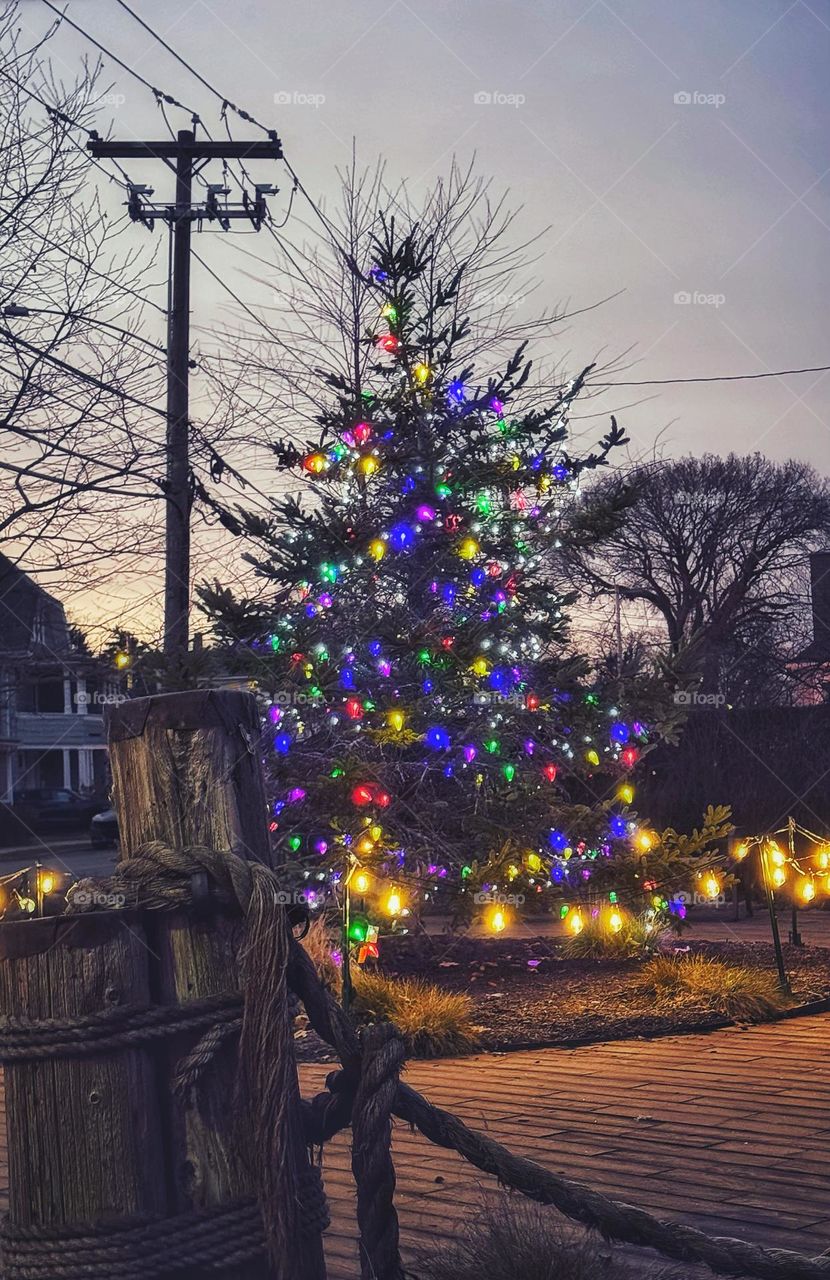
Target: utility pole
187, 156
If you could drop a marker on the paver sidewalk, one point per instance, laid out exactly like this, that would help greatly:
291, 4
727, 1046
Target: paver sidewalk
729, 1132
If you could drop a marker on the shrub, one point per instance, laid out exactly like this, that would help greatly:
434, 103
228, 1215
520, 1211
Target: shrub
737, 991
637, 937
519, 1241
433, 1022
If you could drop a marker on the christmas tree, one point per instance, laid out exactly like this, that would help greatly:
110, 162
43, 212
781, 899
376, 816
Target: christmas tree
431, 739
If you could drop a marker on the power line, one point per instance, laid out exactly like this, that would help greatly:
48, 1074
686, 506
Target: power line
226, 102
159, 94
726, 377
56, 114
16, 341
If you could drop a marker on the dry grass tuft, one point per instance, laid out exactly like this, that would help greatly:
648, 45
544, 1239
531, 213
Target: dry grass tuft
596, 941
319, 942
433, 1022
736, 991
519, 1241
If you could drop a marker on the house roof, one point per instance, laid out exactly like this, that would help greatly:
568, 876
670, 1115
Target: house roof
31, 621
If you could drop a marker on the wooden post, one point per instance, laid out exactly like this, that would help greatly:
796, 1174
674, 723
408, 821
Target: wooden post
186, 770
84, 1134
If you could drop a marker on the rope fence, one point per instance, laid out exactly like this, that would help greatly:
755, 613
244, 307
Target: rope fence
365, 1093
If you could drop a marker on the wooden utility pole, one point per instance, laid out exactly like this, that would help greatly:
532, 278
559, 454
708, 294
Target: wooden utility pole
187, 155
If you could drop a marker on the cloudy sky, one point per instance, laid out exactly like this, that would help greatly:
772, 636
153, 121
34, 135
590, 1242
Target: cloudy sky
677, 151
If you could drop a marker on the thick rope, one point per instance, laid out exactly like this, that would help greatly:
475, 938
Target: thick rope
217, 1239
374, 1172
121, 1027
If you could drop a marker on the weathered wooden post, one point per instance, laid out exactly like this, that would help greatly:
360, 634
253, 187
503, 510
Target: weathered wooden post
187, 771
84, 1133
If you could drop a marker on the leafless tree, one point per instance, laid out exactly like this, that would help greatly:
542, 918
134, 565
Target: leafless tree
716, 549
80, 437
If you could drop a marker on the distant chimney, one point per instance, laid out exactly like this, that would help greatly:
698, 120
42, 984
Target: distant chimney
820, 597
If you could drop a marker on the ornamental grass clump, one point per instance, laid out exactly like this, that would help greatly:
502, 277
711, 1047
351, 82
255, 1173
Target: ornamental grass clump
433, 1022
737, 991
519, 1241
599, 941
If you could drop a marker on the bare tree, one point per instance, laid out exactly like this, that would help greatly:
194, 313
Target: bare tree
80, 436
715, 548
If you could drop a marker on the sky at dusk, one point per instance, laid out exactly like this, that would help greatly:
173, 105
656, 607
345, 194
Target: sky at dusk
677, 153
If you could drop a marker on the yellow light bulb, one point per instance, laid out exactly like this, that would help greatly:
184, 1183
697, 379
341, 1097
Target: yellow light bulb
468, 549
421, 373
365, 844
777, 856
592, 757
645, 841
740, 852
393, 903
779, 875
626, 794
396, 720
376, 832
512, 872
615, 922
122, 660
361, 882
807, 890
497, 921
823, 859
377, 549
534, 862
368, 464
47, 882
575, 922
712, 886
481, 667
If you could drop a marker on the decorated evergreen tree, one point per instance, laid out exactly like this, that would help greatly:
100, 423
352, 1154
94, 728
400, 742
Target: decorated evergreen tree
431, 737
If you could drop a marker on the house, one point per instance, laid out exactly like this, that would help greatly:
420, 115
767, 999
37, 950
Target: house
51, 696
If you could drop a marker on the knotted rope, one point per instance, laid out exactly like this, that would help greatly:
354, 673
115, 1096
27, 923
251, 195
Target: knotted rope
374, 1172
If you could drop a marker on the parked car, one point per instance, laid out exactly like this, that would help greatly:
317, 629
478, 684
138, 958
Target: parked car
48, 808
103, 829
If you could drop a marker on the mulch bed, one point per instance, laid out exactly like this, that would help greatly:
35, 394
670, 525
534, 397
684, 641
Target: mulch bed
526, 994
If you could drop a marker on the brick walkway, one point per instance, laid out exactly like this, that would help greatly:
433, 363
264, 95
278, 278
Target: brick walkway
730, 1132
